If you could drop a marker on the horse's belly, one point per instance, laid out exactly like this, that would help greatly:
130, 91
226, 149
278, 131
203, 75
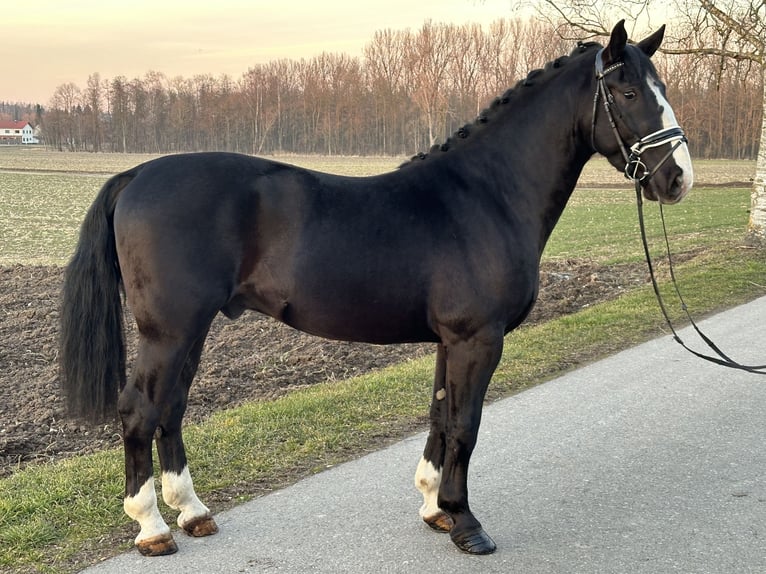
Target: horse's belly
343, 311
352, 316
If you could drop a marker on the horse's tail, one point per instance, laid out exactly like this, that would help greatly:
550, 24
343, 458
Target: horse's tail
91, 337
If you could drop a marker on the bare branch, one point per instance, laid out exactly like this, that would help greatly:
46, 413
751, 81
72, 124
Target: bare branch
739, 56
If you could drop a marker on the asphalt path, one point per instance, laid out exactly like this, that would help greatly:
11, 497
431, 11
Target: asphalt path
649, 461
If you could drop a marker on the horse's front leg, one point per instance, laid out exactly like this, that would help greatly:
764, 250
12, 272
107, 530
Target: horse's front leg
470, 364
429, 472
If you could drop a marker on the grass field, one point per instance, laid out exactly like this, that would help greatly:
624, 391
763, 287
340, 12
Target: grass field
77, 516
605, 221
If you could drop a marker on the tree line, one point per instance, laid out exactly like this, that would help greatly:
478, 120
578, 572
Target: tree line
409, 90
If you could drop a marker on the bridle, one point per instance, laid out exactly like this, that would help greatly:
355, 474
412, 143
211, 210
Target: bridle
636, 171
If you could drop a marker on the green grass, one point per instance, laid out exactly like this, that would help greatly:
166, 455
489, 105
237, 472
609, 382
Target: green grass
720, 278
604, 224
58, 517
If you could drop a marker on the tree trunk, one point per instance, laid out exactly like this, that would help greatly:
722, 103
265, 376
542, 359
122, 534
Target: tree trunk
757, 226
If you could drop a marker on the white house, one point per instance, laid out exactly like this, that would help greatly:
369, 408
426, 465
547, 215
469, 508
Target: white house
17, 132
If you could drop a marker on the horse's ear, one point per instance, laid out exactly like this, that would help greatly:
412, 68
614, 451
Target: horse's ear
616, 46
650, 45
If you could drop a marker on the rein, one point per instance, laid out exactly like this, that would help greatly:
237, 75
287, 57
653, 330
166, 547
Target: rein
722, 358
636, 171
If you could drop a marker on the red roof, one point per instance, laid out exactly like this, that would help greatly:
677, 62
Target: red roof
12, 125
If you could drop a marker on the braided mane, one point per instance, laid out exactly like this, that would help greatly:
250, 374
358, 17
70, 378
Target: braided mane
499, 104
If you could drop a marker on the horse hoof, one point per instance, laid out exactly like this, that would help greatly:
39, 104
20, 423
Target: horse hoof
441, 522
201, 526
475, 542
157, 545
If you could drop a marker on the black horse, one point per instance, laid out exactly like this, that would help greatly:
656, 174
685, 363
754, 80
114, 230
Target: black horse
445, 249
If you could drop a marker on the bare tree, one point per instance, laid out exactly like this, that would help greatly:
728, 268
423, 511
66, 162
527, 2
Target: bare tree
500, 56
385, 68
430, 54
740, 27
464, 69
261, 95
120, 107
94, 99
67, 99
157, 110
729, 30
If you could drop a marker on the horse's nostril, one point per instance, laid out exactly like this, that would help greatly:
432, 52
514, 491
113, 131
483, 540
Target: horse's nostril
679, 188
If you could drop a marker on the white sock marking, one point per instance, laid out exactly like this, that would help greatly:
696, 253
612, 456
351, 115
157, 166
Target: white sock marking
427, 481
178, 493
143, 508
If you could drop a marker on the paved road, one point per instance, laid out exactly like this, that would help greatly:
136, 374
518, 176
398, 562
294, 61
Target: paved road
650, 461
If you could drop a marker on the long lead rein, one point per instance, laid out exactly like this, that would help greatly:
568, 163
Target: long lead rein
722, 359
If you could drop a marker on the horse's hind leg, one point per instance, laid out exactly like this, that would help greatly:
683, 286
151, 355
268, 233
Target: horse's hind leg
154, 398
177, 489
429, 472
155, 371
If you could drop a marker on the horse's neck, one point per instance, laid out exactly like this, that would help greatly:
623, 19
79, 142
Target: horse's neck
544, 152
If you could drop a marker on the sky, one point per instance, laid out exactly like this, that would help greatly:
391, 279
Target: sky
46, 43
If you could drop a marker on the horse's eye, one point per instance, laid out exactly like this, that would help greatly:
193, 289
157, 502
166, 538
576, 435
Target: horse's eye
630, 94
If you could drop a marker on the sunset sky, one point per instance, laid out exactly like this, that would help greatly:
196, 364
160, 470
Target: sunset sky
46, 43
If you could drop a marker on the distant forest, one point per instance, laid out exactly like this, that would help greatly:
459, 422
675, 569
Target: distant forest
409, 90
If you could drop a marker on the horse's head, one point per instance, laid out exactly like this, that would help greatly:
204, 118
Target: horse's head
633, 124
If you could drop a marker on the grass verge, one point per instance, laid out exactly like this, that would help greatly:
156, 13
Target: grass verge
59, 517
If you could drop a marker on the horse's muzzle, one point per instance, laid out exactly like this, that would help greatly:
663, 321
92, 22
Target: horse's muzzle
668, 185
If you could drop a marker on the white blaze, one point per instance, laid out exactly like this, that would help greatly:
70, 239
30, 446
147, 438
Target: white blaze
681, 155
